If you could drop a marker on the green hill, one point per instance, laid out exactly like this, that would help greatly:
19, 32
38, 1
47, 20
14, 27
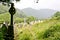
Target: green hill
47, 30
3, 9
5, 16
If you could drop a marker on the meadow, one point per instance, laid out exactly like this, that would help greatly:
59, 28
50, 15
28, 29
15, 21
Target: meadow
47, 30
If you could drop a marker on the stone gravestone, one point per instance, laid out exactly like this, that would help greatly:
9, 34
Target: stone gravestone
10, 30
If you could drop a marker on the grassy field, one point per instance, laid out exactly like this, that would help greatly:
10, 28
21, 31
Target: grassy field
48, 30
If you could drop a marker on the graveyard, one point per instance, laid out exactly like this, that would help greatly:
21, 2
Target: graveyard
15, 25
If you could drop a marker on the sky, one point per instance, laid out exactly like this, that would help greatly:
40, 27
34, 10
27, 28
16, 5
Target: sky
42, 4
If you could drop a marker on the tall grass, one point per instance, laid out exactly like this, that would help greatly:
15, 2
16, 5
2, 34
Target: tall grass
48, 30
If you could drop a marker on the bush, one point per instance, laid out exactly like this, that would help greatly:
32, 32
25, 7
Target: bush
52, 33
25, 35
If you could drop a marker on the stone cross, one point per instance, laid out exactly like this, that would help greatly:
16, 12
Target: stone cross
10, 30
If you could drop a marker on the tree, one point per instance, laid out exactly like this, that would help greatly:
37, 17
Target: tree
37, 1
56, 15
7, 2
31, 18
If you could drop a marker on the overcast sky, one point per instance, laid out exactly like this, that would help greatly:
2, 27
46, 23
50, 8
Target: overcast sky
43, 4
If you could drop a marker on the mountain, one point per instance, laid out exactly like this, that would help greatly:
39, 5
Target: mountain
40, 14
20, 13
3, 9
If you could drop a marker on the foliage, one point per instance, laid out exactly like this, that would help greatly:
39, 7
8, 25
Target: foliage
3, 9
1, 36
7, 0
31, 18
56, 15
53, 32
6, 17
18, 20
3, 31
48, 30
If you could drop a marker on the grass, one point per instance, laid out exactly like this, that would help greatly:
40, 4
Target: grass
48, 30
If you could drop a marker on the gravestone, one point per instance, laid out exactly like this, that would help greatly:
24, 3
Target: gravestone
10, 30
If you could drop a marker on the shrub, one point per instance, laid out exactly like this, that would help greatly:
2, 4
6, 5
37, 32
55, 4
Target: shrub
53, 32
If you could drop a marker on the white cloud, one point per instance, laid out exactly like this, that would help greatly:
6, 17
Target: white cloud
49, 4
